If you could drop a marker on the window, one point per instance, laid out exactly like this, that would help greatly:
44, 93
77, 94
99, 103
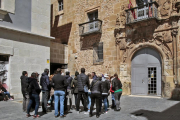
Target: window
142, 12
60, 5
98, 53
0, 4
94, 24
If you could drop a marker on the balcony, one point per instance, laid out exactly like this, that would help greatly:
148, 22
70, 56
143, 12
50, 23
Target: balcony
90, 27
144, 12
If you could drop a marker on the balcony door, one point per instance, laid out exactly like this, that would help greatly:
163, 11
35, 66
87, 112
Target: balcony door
142, 11
93, 26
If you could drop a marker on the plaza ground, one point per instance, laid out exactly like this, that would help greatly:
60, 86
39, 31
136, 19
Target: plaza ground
132, 108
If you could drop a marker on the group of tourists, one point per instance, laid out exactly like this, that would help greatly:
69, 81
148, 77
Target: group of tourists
89, 89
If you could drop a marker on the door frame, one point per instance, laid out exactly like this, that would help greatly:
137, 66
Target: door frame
159, 68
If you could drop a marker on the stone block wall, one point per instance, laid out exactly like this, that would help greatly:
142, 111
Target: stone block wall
120, 41
58, 53
76, 12
27, 52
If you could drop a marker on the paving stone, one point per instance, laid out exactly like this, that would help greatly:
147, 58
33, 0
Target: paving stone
132, 108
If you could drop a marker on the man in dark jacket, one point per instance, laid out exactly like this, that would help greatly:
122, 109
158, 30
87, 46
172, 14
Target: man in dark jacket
83, 80
24, 91
59, 83
44, 82
68, 91
117, 87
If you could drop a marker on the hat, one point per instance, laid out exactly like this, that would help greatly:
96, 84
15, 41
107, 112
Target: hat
106, 75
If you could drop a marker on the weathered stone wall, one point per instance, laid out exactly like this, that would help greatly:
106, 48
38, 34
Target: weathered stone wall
58, 53
120, 40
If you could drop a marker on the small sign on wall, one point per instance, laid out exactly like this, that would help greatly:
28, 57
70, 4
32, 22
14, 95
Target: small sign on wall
48, 61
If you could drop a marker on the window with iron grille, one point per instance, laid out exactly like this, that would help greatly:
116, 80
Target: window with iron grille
60, 5
98, 53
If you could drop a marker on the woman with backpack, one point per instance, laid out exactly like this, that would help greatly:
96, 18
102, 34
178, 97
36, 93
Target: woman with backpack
34, 91
96, 92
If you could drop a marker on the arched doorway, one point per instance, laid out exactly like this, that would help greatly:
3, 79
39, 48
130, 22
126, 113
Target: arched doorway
146, 72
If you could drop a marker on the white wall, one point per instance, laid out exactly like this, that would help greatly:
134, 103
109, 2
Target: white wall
30, 53
40, 20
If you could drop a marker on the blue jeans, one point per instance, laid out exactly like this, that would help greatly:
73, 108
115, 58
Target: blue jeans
104, 97
7, 93
32, 98
59, 96
89, 100
113, 98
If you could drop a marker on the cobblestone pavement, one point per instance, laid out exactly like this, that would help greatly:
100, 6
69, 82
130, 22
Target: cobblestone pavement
132, 108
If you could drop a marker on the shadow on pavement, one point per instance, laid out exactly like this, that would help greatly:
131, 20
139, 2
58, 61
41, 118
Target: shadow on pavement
172, 113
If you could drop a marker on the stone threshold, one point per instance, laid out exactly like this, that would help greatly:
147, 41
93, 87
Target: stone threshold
158, 97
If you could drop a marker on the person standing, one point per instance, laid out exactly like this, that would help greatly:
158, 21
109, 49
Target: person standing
117, 87
51, 99
112, 94
89, 92
34, 95
83, 86
74, 86
94, 75
96, 91
44, 82
24, 91
68, 91
105, 91
59, 83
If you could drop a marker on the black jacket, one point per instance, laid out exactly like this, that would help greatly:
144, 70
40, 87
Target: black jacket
116, 84
3, 89
68, 81
24, 83
59, 82
34, 85
82, 81
44, 81
74, 82
106, 86
96, 86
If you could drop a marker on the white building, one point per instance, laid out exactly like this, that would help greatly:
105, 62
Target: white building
24, 40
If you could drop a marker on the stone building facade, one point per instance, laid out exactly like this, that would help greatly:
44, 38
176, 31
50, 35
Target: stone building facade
24, 40
140, 42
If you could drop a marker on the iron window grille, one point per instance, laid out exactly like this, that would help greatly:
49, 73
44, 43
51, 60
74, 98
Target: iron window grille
143, 11
98, 53
60, 5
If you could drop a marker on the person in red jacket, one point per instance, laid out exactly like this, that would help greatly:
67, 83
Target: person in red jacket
112, 95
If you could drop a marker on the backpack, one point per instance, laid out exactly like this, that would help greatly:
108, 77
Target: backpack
29, 88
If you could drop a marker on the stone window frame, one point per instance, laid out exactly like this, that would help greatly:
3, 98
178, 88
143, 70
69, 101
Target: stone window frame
90, 10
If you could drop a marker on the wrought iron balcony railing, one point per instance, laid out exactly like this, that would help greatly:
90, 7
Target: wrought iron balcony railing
143, 12
90, 27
